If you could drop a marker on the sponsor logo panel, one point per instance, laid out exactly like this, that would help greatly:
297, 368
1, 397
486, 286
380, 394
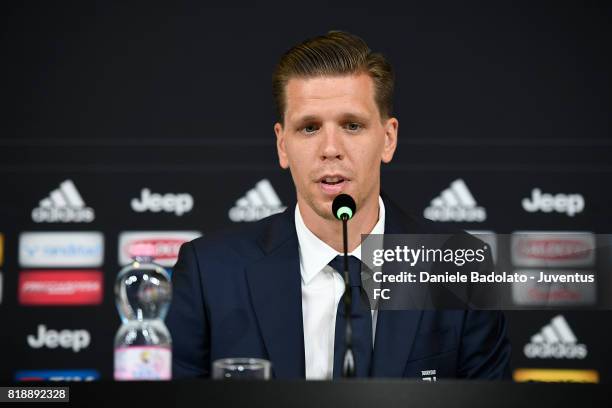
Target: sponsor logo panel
568, 204
553, 249
533, 293
61, 249
58, 287
555, 340
63, 205
75, 340
259, 202
556, 375
456, 204
178, 204
163, 246
57, 375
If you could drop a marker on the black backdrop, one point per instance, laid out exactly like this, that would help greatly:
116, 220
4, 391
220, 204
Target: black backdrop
175, 96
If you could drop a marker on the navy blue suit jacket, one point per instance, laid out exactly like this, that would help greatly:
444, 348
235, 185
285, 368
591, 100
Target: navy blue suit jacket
238, 294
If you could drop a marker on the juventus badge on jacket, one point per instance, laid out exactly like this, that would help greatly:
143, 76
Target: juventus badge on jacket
428, 375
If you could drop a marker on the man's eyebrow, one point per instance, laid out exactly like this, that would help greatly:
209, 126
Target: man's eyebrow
306, 118
346, 116
354, 116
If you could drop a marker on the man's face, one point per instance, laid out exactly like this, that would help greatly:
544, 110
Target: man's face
333, 140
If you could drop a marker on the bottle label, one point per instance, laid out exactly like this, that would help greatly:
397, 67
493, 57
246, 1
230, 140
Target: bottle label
143, 363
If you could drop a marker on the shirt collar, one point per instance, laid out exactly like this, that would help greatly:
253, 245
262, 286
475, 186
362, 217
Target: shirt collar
315, 254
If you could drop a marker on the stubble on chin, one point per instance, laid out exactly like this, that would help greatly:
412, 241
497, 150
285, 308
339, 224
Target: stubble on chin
321, 209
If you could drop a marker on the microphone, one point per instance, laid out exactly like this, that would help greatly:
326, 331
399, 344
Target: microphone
344, 209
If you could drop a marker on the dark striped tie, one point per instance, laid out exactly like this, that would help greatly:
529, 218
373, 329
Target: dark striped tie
361, 320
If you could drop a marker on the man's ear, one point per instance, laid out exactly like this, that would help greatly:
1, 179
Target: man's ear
283, 161
391, 126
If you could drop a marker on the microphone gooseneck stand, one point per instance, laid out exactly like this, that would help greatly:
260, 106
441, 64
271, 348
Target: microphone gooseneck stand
348, 365
344, 209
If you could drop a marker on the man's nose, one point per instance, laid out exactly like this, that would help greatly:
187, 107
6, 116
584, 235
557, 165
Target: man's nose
331, 144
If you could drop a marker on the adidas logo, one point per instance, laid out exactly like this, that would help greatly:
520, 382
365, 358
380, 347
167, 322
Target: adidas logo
259, 202
555, 340
456, 203
64, 204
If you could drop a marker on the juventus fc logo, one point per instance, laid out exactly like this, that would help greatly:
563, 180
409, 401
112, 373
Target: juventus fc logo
428, 375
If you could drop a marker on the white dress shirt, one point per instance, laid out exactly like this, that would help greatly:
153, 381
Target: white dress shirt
322, 289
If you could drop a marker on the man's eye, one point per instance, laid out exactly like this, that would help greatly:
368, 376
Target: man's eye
309, 129
353, 126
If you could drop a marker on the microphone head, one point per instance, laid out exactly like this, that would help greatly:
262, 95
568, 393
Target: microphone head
344, 207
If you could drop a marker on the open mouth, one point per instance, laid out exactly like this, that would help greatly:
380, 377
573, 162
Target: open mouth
332, 185
332, 180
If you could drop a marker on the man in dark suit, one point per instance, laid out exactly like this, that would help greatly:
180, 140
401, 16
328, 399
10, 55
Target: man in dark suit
271, 289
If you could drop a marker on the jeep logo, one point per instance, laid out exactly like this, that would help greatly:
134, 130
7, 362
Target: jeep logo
569, 204
68, 339
178, 204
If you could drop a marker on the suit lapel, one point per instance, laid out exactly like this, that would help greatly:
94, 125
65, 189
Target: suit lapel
275, 285
395, 329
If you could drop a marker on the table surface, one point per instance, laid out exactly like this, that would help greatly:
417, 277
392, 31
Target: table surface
344, 393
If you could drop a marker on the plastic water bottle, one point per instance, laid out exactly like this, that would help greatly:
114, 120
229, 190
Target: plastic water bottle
143, 346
